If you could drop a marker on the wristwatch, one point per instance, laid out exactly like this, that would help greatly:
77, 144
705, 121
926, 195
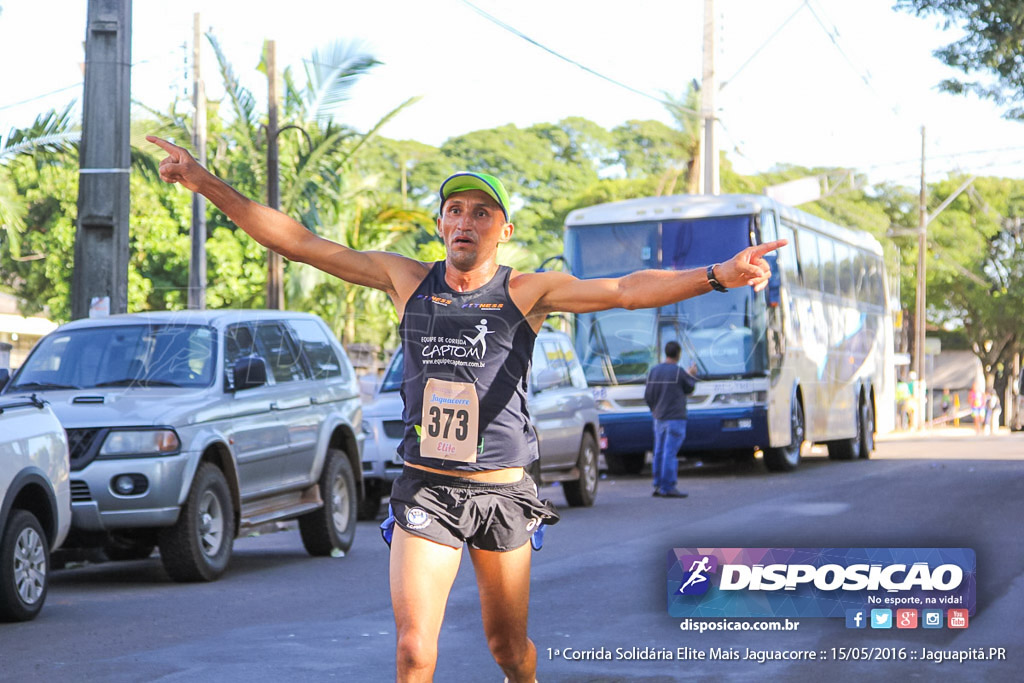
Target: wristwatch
713, 281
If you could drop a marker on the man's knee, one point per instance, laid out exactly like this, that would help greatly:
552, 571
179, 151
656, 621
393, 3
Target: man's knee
509, 651
415, 652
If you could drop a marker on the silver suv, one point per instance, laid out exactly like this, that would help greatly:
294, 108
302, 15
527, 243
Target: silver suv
185, 427
561, 406
35, 502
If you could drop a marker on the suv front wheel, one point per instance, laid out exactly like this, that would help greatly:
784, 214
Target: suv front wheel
24, 560
198, 546
332, 527
583, 491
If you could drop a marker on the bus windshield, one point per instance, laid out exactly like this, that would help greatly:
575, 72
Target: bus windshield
722, 333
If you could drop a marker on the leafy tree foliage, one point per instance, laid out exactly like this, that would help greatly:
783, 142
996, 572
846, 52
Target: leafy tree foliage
989, 52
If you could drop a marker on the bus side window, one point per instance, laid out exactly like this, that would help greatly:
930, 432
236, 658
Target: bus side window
809, 263
861, 284
827, 253
844, 261
788, 262
876, 288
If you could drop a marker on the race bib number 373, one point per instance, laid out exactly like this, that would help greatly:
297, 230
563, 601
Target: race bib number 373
450, 420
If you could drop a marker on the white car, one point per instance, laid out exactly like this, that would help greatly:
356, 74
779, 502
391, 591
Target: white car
35, 502
562, 409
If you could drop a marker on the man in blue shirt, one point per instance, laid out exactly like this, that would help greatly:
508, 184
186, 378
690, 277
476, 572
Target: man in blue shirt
665, 394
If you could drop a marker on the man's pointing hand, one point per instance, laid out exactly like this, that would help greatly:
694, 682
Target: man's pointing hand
178, 166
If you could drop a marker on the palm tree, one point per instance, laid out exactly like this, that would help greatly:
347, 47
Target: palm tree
319, 185
50, 136
684, 112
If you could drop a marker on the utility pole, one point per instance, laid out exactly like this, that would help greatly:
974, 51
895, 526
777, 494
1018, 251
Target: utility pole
99, 281
709, 146
919, 311
275, 267
197, 260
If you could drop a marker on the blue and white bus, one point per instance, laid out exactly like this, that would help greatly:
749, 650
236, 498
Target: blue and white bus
809, 359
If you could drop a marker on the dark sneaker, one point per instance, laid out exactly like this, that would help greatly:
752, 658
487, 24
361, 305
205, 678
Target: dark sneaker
673, 493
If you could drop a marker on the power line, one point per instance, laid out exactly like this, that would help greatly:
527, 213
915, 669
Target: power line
862, 73
517, 32
764, 44
39, 97
68, 87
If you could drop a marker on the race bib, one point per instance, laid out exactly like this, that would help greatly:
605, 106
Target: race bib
449, 422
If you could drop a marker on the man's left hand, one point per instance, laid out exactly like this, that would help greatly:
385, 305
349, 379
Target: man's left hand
748, 267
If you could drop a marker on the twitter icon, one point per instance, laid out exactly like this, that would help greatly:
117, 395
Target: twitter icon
881, 618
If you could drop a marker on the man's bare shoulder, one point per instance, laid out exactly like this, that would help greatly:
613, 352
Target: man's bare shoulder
406, 273
530, 291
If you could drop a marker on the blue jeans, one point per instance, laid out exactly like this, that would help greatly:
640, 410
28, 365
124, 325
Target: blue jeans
668, 439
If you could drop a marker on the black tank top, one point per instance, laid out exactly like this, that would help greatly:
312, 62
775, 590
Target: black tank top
479, 337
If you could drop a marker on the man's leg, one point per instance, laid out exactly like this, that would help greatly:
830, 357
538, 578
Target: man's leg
676, 435
504, 583
422, 573
658, 462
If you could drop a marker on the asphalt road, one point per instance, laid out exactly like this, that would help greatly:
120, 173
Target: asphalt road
598, 585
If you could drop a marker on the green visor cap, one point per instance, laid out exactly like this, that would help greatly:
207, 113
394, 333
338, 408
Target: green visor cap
460, 182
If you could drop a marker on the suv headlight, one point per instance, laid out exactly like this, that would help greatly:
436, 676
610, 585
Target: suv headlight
141, 442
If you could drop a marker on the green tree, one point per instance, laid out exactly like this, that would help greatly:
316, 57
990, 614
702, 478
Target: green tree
976, 276
988, 51
46, 142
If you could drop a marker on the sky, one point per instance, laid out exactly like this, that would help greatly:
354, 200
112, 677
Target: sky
806, 82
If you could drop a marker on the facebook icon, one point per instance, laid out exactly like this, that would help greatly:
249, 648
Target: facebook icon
856, 618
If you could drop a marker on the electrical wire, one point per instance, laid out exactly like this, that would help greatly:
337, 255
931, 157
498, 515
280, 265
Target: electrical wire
764, 44
520, 34
39, 97
862, 73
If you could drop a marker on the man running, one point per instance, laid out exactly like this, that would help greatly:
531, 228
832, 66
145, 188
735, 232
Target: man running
467, 432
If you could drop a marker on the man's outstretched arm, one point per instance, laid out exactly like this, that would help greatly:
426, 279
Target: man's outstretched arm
646, 288
278, 232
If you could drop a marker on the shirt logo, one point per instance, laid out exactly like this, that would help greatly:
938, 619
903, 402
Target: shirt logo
434, 299
485, 306
480, 338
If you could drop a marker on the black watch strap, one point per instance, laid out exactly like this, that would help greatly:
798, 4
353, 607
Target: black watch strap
713, 281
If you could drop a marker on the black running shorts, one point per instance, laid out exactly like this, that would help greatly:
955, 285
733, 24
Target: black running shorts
453, 510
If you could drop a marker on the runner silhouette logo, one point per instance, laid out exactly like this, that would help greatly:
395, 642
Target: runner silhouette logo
696, 581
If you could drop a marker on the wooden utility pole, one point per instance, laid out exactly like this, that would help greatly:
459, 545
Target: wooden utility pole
99, 281
275, 267
197, 260
709, 146
919, 311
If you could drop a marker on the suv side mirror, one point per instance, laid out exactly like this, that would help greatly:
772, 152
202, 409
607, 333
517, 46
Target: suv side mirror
5, 377
249, 372
547, 378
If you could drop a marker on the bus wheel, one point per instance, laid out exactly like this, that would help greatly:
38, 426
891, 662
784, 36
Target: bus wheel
787, 458
848, 449
867, 429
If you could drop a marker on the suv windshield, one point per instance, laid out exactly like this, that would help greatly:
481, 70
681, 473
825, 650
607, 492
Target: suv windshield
128, 355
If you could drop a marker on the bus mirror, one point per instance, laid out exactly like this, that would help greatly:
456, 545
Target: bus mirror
772, 293
551, 262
